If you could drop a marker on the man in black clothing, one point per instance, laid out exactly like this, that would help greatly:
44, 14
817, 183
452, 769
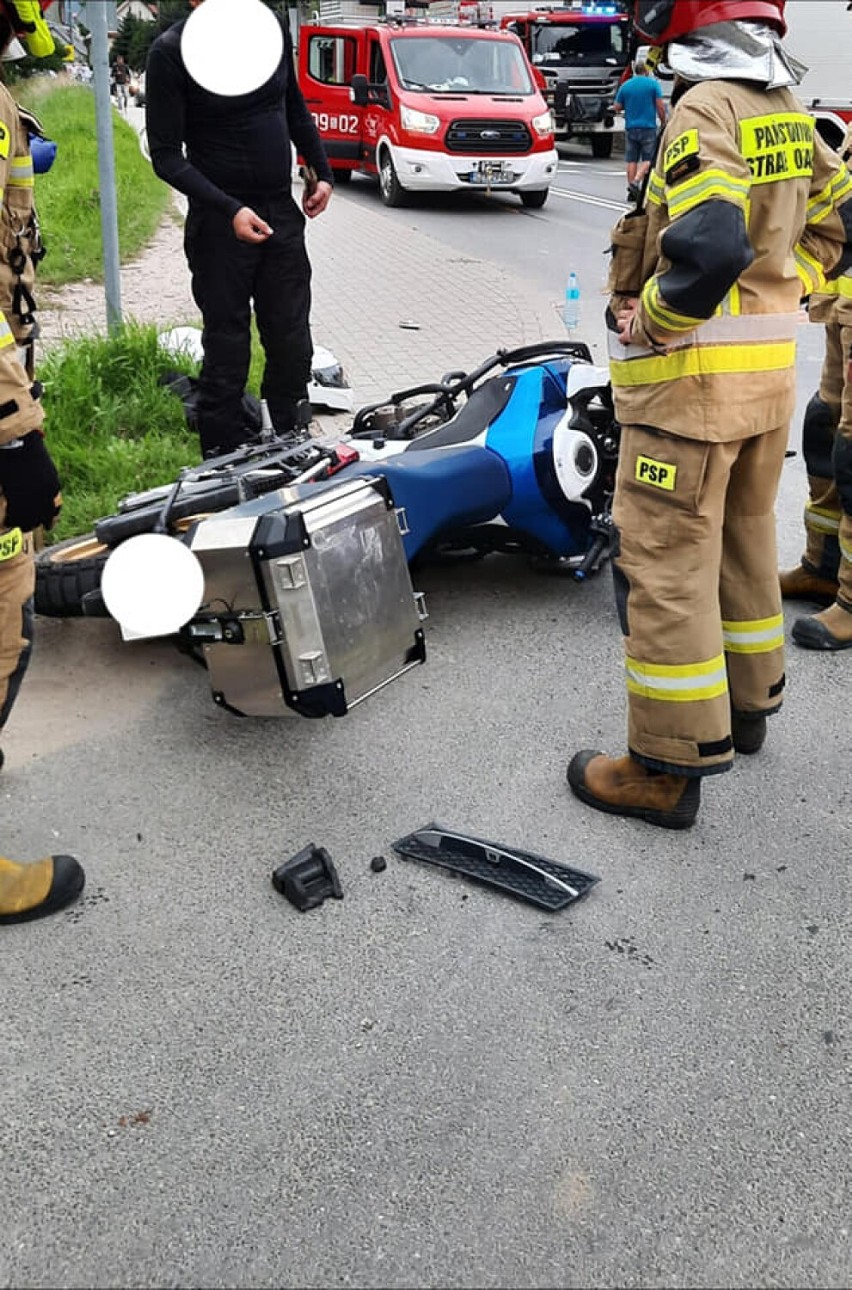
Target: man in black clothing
244, 236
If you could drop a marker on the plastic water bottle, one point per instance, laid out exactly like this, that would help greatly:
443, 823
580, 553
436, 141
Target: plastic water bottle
571, 308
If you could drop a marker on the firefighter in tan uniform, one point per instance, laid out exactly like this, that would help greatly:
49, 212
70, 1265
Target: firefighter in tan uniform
825, 571
29, 485
747, 211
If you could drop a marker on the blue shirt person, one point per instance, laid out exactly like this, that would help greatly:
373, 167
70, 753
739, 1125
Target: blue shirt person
641, 100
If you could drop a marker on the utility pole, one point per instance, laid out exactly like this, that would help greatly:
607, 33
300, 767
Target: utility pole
106, 165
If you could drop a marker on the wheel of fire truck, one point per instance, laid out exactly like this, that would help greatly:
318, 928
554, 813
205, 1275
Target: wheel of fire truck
392, 191
535, 199
601, 145
67, 572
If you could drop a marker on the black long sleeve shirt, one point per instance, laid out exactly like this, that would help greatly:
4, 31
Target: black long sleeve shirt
237, 148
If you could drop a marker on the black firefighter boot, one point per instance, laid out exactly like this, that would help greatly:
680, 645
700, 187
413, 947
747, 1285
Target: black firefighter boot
42, 887
831, 629
748, 731
623, 786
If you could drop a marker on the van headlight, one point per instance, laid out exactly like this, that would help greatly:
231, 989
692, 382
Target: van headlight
543, 124
418, 122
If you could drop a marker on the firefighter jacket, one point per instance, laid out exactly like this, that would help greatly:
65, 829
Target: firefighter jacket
747, 212
834, 303
20, 248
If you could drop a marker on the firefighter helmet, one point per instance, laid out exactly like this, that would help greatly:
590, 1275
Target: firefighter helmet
659, 21
25, 18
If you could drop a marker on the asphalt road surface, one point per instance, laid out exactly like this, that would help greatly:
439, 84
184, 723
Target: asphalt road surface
427, 1084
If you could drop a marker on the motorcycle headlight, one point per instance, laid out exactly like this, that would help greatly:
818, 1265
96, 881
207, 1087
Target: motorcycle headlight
543, 124
418, 122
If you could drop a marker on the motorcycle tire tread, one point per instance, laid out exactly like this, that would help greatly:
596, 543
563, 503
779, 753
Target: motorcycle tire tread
62, 583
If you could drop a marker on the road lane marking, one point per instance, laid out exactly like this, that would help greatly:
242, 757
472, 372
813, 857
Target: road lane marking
590, 200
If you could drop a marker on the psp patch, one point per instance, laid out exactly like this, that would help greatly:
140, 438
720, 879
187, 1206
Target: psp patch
660, 474
11, 544
681, 156
5, 140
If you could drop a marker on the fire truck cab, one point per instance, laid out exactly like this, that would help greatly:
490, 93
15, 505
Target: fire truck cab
583, 48
428, 106
833, 119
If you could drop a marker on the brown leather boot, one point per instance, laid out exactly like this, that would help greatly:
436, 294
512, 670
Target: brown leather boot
803, 583
830, 629
623, 786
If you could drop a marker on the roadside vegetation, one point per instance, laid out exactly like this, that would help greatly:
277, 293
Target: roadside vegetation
112, 427
68, 196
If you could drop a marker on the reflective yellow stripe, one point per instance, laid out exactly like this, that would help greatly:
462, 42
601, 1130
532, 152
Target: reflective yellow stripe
686, 683
760, 636
823, 204
21, 172
661, 314
821, 520
810, 270
841, 286
656, 193
11, 544
703, 360
731, 306
730, 329
710, 183
6, 337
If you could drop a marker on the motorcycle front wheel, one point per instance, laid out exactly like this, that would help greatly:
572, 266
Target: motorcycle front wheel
66, 572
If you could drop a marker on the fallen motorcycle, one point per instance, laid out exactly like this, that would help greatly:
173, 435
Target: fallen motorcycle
307, 548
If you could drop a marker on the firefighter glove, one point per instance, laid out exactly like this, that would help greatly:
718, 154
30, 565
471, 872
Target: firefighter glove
30, 483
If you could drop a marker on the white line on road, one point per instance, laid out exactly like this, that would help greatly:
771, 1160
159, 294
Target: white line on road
571, 195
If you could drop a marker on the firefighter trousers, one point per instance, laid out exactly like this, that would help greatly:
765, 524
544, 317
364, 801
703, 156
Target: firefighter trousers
17, 584
228, 276
696, 586
827, 448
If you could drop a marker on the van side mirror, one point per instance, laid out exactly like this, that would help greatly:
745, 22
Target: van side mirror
359, 91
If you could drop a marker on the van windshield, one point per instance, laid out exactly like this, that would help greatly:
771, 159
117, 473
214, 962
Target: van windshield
453, 65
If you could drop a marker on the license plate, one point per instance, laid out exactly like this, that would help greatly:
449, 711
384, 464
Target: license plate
492, 172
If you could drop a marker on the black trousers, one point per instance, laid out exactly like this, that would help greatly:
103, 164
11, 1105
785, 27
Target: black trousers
228, 277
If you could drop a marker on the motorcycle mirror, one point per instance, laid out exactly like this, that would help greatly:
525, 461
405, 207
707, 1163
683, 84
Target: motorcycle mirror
231, 47
152, 585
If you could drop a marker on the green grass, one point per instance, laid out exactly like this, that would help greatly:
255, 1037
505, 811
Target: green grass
68, 196
111, 427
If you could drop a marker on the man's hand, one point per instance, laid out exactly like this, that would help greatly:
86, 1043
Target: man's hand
249, 227
624, 318
315, 201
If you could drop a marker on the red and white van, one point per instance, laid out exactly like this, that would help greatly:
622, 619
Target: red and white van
428, 107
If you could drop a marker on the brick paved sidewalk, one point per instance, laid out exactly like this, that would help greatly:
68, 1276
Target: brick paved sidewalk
368, 279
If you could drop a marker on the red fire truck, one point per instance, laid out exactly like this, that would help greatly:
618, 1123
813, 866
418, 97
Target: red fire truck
428, 106
834, 118
584, 49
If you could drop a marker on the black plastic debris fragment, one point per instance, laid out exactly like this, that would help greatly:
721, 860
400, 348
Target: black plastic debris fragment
378, 864
522, 874
308, 878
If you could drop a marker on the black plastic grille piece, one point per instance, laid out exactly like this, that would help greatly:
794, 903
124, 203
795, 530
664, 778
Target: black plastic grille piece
488, 137
523, 874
